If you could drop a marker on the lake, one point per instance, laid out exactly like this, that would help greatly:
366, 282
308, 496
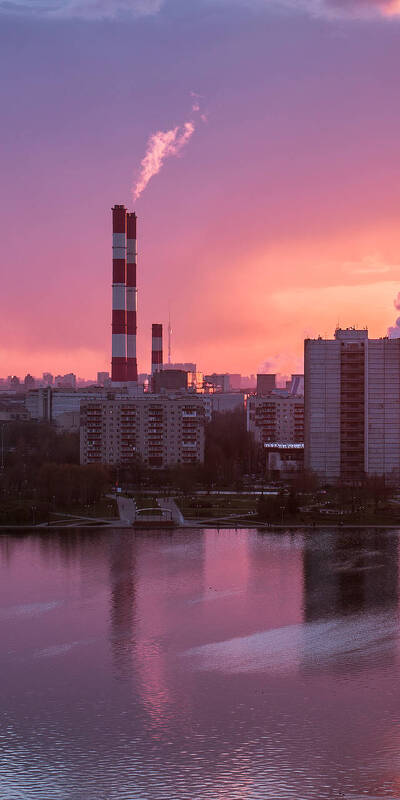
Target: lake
199, 665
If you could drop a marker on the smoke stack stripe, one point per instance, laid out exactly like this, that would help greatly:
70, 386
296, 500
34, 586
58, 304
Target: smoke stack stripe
131, 301
156, 348
118, 362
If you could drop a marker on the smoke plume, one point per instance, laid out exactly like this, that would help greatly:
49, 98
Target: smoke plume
160, 146
394, 330
163, 144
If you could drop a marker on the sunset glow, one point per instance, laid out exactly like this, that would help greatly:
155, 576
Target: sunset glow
277, 220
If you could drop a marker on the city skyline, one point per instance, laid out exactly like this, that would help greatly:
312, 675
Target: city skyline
277, 220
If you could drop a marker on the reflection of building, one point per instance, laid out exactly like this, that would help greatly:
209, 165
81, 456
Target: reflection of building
352, 420
350, 600
348, 574
122, 579
166, 612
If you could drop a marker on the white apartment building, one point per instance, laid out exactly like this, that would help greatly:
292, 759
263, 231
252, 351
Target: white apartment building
162, 430
275, 418
352, 406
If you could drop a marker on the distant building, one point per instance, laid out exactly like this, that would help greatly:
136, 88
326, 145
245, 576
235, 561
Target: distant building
103, 379
276, 419
48, 404
283, 460
68, 421
352, 411
266, 383
226, 401
47, 379
67, 381
296, 385
186, 366
217, 382
195, 381
29, 382
162, 430
169, 381
248, 382
11, 411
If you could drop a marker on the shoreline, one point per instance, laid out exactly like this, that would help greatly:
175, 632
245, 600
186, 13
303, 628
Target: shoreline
262, 528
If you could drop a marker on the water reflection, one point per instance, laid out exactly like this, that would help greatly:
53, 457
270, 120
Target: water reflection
201, 665
122, 558
350, 572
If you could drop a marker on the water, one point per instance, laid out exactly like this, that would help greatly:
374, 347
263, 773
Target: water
199, 665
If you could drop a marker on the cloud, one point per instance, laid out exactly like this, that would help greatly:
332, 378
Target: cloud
339, 9
369, 265
160, 146
81, 9
115, 9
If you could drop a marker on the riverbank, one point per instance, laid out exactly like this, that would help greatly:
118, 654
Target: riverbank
261, 528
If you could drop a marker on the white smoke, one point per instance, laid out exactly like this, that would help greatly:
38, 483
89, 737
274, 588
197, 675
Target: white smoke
394, 330
160, 146
163, 144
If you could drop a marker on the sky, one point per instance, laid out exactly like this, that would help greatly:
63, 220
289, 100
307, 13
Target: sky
277, 218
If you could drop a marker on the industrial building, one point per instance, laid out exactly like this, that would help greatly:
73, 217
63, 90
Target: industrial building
162, 430
352, 409
49, 404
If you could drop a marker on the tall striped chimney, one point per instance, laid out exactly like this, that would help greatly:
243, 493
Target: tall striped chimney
118, 362
156, 348
131, 301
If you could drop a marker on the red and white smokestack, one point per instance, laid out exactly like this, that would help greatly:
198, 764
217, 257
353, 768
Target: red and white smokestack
156, 348
131, 301
118, 362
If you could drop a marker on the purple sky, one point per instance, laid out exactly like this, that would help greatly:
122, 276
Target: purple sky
277, 220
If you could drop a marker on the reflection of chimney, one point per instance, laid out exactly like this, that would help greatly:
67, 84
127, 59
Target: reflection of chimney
131, 301
156, 348
122, 599
118, 363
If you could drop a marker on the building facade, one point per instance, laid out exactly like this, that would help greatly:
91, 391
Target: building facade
48, 404
162, 430
352, 406
276, 419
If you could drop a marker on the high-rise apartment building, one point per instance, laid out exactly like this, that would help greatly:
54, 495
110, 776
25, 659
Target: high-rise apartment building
162, 430
352, 406
275, 418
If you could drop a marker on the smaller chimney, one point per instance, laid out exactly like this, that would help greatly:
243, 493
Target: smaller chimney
156, 348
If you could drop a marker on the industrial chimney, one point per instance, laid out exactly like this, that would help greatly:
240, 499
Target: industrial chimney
118, 362
131, 302
156, 348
